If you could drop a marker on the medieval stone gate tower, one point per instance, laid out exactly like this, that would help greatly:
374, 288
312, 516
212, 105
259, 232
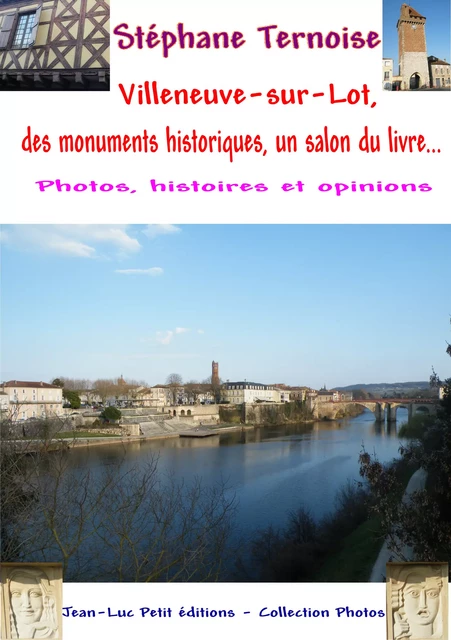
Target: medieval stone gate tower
413, 60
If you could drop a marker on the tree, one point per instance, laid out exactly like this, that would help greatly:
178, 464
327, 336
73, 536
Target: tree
359, 394
448, 348
193, 390
214, 388
106, 388
111, 414
434, 379
81, 385
19, 477
72, 398
120, 522
423, 522
174, 381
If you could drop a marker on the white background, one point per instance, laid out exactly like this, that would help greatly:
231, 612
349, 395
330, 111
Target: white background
252, 68
238, 597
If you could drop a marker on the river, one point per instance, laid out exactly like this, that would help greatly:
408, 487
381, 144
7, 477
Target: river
271, 470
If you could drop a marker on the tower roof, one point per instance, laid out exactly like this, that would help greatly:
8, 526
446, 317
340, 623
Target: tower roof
409, 12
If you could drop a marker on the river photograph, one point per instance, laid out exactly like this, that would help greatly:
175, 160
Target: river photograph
218, 494
232, 403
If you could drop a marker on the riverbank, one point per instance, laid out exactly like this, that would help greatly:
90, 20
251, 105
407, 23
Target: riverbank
417, 482
88, 439
212, 429
95, 437
356, 560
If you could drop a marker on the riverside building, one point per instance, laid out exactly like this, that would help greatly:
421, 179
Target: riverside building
239, 392
33, 399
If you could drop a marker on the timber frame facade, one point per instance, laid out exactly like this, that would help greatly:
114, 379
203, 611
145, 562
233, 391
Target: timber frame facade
54, 45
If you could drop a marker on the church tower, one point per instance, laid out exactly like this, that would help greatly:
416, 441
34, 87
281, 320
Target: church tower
413, 60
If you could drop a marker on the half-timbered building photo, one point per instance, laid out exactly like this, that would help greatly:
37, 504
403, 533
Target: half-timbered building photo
54, 45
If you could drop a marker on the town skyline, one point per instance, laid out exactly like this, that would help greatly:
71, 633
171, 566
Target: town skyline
299, 305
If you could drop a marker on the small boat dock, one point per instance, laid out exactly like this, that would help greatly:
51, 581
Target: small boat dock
198, 433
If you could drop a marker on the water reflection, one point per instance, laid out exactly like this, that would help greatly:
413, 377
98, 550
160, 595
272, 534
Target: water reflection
272, 470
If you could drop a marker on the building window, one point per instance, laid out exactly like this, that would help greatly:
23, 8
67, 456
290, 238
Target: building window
387, 75
23, 35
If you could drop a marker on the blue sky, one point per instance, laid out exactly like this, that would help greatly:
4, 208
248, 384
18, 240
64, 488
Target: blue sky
437, 14
300, 304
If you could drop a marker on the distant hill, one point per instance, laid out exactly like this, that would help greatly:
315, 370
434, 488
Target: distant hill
387, 388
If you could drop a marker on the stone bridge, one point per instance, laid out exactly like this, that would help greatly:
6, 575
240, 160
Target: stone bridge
381, 407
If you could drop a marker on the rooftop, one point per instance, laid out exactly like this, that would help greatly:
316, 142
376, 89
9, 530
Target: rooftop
246, 383
413, 13
433, 60
21, 383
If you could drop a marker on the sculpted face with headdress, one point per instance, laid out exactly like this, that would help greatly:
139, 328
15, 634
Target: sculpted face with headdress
416, 603
32, 604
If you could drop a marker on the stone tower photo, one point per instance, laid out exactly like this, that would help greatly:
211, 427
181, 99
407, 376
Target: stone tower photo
215, 373
413, 60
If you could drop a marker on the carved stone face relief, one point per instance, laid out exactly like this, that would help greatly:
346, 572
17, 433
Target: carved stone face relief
31, 595
417, 601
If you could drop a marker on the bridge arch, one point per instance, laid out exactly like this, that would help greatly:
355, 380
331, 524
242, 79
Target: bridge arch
334, 410
377, 408
422, 408
381, 408
392, 410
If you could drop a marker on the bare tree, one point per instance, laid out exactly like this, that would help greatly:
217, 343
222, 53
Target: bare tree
121, 522
81, 385
106, 388
174, 381
23, 446
214, 386
131, 382
193, 390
